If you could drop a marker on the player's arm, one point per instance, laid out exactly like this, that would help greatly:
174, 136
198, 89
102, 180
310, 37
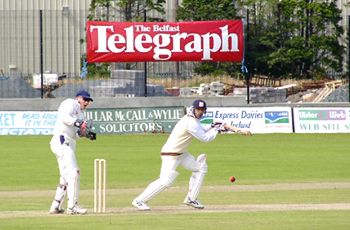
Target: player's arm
225, 127
84, 130
66, 112
237, 130
200, 133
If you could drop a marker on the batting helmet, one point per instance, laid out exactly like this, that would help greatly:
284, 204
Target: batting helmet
199, 104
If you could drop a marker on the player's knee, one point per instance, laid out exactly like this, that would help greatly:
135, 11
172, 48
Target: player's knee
74, 174
202, 158
204, 168
62, 186
168, 180
63, 181
202, 161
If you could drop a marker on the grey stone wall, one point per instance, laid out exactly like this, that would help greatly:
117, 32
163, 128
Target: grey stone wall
16, 87
51, 104
340, 94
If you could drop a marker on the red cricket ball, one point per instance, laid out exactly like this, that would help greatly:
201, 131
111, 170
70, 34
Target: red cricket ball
232, 179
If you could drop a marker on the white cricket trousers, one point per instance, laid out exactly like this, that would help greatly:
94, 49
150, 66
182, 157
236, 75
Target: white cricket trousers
168, 175
64, 150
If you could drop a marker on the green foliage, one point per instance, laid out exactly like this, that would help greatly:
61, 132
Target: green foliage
94, 5
129, 10
205, 10
99, 70
299, 38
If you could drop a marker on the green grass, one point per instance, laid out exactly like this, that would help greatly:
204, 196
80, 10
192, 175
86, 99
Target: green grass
205, 221
27, 164
133, 160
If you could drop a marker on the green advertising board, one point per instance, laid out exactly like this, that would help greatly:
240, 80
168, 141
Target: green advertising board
135, 120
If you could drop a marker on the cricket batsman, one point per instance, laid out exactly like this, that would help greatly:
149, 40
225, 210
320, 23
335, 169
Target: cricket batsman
174, 153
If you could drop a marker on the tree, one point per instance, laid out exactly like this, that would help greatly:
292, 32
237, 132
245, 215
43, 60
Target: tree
203, 10
295, 37
125, 10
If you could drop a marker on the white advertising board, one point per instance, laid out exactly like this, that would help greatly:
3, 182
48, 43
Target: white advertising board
322, 120
254, 119
27, 123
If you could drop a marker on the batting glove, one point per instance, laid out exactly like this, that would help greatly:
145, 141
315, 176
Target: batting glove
221, 127
216, 124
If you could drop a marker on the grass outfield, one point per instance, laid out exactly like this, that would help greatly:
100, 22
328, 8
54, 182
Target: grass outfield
284, 181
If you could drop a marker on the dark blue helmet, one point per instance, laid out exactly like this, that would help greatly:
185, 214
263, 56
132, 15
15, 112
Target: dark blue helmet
85, 94
199, 104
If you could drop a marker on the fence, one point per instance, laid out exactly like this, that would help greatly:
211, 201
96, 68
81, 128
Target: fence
63, 34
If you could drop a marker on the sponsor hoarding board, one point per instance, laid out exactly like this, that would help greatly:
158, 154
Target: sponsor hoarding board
27, 123
163, 119
165, 41
257, 120
322, 120
137, 120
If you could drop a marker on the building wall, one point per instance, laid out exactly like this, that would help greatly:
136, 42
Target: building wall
342, 4
63, 28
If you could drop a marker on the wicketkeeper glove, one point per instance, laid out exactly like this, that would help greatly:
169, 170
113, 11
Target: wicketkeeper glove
91, 135
87, 133
85, 130
78, 123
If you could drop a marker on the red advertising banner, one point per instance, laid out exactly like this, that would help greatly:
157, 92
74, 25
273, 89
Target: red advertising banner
219, 41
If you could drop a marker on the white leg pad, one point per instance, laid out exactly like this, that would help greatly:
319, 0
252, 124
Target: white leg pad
202, 160
197, 177
157, 186
60, 194
73, 183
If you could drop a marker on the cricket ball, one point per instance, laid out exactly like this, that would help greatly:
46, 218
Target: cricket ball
232, 179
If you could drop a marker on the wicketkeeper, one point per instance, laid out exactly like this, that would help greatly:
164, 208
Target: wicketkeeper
70, 125
174, 153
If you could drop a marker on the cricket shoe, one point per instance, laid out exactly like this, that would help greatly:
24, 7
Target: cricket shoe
76, 210
193, 203
56, 210
142, 206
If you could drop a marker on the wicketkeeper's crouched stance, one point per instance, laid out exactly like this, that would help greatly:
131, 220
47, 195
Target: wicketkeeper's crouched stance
174, 153
70, 125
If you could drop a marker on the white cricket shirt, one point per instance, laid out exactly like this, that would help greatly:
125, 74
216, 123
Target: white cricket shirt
68, 112
183, 133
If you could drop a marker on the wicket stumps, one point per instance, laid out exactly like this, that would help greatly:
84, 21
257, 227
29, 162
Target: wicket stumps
100, 185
